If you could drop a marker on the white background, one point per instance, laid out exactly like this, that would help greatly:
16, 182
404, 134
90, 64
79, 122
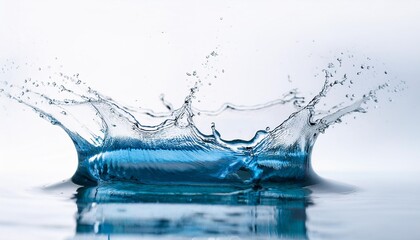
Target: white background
136, 50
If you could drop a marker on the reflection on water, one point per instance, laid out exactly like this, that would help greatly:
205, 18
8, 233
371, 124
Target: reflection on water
380, 207
121, 210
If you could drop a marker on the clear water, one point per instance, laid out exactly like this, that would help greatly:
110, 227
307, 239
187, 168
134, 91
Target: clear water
115, 143
263, 195
375, 207
156, 175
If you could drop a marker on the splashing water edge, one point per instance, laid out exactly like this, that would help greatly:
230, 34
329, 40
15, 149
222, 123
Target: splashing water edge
114, 144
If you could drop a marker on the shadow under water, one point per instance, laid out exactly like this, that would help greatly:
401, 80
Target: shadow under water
133, 210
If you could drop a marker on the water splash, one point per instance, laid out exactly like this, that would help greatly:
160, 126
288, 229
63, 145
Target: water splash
114, 144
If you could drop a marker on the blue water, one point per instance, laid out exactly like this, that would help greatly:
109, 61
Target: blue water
114, 143
363, 205
281, 211
170, 180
